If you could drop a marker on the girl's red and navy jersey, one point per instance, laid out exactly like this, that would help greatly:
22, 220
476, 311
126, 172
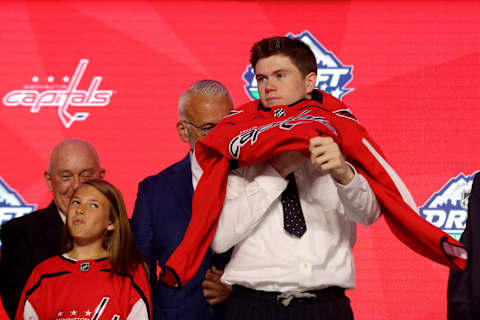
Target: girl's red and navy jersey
65, 289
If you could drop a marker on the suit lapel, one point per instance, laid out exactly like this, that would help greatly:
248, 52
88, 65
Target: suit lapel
183, 188
53, 227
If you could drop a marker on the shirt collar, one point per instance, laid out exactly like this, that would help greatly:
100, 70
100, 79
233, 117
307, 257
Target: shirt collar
196, 169
62, 215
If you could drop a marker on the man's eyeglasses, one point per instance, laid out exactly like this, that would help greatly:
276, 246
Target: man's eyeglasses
206, 128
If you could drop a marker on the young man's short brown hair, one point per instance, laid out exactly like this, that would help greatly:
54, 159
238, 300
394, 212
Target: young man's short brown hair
298, 51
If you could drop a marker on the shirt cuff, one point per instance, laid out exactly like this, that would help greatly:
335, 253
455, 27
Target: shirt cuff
354, 183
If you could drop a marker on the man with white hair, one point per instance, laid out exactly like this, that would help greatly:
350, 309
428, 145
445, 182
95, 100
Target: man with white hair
30, 239
164, 207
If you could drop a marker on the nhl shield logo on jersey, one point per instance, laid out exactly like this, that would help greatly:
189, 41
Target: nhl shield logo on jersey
85, 266
280, 112
447, 208
332, 75
11, 204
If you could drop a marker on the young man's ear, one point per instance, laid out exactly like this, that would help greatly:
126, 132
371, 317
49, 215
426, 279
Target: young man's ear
182, 131
310, 81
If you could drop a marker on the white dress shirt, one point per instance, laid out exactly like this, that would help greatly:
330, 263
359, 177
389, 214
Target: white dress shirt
62, 216
265, 256
196, 169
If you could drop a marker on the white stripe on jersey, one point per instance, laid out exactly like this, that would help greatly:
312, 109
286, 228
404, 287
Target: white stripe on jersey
139, 311
29, 312
406, 196
100, 308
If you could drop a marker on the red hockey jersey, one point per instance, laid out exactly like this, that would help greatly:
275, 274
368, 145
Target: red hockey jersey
62, 288
249, 135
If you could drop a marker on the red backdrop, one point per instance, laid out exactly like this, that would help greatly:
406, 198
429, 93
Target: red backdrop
415, 80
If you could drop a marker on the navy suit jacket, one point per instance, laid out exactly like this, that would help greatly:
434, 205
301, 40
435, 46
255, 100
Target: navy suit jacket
464, 286
162, 213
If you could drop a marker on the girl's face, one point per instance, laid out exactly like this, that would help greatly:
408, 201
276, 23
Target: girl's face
88, 216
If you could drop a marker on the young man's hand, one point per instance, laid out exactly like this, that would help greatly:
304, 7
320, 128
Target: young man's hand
287, 162
213, 289
326, 155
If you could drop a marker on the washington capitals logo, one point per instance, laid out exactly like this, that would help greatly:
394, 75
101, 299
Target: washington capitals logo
61, 96
11, 203
447, 208
332, 75
252, 134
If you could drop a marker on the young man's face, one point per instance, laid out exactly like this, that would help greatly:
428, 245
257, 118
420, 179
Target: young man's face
280, 82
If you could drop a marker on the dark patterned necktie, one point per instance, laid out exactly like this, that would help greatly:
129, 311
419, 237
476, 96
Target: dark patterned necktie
293, 220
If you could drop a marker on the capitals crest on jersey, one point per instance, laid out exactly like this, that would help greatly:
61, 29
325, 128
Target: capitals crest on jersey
11, 204
447, 208
332, 75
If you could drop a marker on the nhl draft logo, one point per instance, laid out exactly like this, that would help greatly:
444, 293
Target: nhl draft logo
11, 204
61, 96
447, 208
332, 75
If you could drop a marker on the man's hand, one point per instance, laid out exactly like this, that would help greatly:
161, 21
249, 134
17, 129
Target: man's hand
214, 290
287, 162
326, 156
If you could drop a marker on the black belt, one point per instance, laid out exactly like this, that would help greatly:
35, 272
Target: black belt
317, 296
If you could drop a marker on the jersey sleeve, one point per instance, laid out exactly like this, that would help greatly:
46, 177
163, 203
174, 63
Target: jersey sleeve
26, 308
140, 298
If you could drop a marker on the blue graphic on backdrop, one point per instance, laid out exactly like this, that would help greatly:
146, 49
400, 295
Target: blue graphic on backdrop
332, 75
447, 208
11, 204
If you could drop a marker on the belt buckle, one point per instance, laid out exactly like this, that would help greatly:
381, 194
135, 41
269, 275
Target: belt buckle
286, 301
286, 297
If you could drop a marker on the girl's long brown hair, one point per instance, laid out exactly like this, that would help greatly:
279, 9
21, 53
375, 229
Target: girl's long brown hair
122, 252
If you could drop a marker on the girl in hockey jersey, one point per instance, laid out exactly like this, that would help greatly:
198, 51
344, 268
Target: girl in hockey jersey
101, 275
